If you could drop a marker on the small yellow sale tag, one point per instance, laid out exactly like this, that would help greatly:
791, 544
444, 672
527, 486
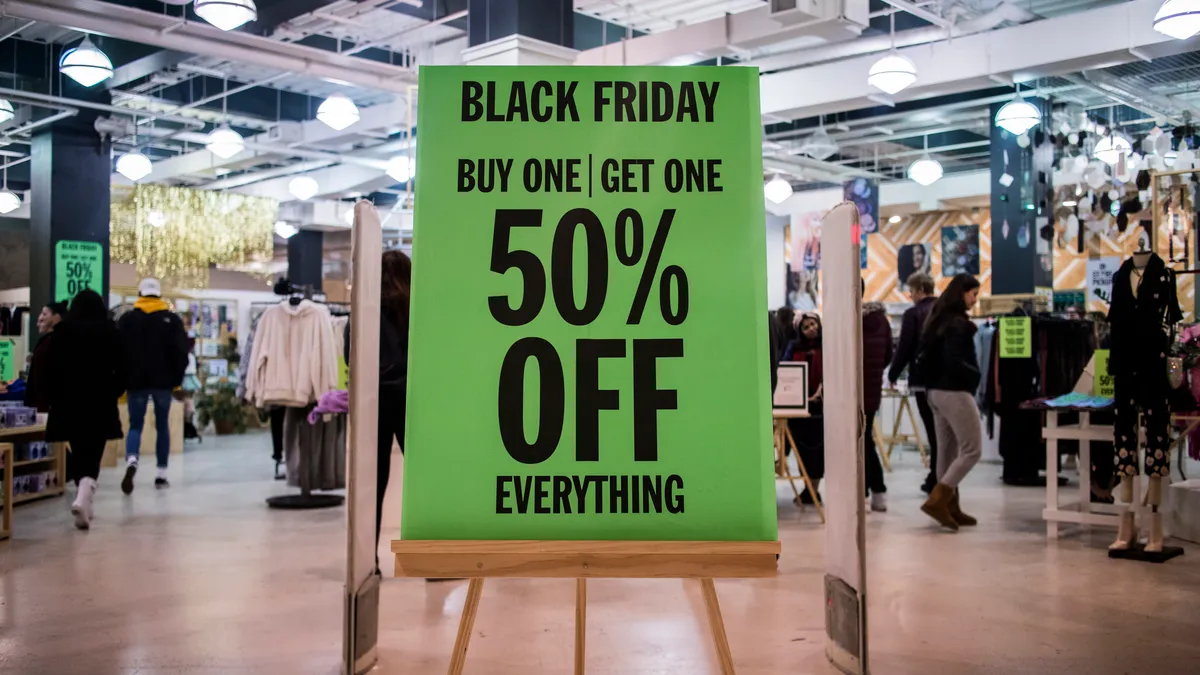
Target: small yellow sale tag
1102, 381
343, 374
1016, 337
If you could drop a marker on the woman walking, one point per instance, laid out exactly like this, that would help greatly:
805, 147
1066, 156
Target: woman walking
87, 376
809, 432
950, 371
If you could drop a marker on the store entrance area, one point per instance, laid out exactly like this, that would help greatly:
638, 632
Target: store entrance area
204, 579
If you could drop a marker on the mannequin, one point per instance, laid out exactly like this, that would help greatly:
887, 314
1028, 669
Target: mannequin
1143, 312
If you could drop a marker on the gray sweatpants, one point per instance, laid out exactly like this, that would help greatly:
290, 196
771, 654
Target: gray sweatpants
959, 436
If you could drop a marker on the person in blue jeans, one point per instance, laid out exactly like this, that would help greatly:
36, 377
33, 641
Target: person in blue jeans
156, 346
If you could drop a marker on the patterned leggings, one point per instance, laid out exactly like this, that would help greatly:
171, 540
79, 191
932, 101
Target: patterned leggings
1156, 416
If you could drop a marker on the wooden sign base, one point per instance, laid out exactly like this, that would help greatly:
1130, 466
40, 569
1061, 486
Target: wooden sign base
581, 560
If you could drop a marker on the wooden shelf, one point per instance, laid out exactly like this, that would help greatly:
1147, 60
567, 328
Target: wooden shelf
28, 497
23, 431
28, 462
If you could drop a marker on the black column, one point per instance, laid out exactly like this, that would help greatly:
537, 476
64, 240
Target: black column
1021, 256
550, 21
304, 258
71, 174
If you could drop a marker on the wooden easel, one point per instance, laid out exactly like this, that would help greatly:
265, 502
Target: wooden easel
784, 440
583, 560
886, 450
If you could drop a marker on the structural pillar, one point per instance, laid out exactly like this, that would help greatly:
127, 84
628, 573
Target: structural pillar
304, 255
70, 194
1022, 258
520, 33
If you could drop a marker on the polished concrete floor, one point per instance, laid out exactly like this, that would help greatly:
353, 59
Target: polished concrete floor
203, 579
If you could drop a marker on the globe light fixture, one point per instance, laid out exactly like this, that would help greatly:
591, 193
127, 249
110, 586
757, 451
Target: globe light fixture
224, 142
156, 218
134, 165
925, 171
1110, 148
6, 111
86, 64
892, 73
303, 188
777, 190
226, 14
399, 168
9, 201
820, 145
1179, 19
1018, 116
338, 112
285, 229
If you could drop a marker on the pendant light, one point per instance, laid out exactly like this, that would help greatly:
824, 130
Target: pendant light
777, 190
6, 111
285, 229
223, 141
1018, 115
338, 112
926, 170
227, 14
9, 200
892, 73
819, 146
134, 165
399, 168
1110, 148
86, 64
304, 188
1179, 19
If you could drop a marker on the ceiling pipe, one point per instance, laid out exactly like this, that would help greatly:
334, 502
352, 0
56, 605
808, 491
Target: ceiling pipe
63, 103
268, 174
920, 13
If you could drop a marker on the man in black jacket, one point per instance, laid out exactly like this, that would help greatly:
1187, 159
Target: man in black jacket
920, 287
157, 349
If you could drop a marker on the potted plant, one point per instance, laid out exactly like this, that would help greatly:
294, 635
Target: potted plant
220, 405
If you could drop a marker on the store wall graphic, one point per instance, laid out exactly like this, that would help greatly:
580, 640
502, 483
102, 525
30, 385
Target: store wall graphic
960, 250
912, 259
864, 194
1100, 279
882, 274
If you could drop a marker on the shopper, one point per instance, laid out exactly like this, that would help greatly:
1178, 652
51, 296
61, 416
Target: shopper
393, 366
950, 371
156, 346
86, 377
920, 290
809, 432
37, 388
877, 353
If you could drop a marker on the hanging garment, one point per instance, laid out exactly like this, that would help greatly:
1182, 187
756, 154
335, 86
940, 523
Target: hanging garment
1141, 324
294, 360
319, 447
983, 353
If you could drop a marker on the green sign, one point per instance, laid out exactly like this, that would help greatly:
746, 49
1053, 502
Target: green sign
1016, 337
343, 373
78, 265
1102, 381
8, 357
599, 235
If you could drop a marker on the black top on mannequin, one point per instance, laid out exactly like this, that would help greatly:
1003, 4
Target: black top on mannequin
1140, 319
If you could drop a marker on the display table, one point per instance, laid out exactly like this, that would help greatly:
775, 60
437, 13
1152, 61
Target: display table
55, 462
1085, 512
114, 451
782, 441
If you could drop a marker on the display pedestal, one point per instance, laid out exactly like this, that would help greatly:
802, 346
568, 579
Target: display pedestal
303, 501
1138, 552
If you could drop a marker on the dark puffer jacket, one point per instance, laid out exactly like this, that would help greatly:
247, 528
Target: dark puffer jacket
877, 353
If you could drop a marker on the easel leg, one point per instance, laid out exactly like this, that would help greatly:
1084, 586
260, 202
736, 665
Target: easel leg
812, 489
465, 626
912, 419
896, 426
580, 624
717, 625
781, 465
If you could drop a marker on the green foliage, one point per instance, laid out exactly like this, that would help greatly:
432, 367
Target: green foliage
220, 405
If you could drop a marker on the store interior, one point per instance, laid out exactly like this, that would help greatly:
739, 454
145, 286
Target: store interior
220, 147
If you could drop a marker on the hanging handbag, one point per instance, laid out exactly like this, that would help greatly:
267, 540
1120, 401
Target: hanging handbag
1175, 375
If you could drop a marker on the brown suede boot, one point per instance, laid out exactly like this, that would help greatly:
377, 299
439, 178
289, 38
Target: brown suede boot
938, 506
957, 514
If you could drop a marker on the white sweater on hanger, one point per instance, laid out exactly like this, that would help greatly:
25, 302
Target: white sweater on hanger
295, 359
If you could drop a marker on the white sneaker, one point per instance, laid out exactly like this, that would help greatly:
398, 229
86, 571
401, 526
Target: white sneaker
879, 502
81, 508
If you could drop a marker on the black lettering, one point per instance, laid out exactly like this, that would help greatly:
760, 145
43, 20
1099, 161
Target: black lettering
590, 399
643, 101
541, 492
581, 488
472, 109
674, 499
493, 115
542, 110
562, 494
648, 399
511, 400
532, 175
610, 182
625, 95
687, 103
695, 175
466, 175
710, 99
652, 493
502, 494
664, 101
673, 175
518, 105
523, 495
634, 493
600, 99
600, 481
573, 166
504, 166
566, 101
562, 267
618, 494
711, 185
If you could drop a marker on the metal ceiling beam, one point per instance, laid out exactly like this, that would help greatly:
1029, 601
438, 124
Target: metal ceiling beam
920, 13
145, 67
150, 28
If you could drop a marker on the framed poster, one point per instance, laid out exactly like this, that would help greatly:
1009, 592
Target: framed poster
911, 259
960, 250
791, 390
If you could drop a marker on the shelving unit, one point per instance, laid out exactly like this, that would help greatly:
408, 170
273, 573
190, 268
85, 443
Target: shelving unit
57, 460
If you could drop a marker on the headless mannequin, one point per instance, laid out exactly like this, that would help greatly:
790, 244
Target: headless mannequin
1127, 530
